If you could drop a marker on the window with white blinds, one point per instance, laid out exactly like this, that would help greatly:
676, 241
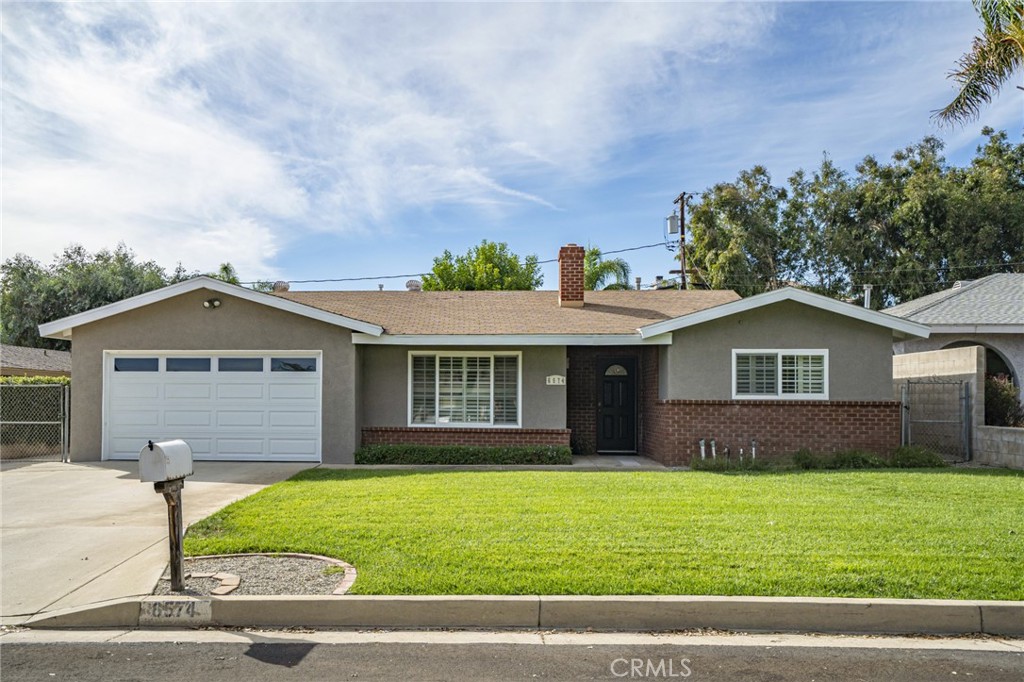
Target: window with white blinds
787, 374
464, 389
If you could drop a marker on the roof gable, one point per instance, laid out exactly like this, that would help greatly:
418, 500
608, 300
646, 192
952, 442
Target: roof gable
900, 327
62, 328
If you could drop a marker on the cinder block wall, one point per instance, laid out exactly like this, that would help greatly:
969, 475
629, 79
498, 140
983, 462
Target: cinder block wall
953, 364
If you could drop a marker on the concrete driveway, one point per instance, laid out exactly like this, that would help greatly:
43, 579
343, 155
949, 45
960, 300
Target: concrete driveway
75, 534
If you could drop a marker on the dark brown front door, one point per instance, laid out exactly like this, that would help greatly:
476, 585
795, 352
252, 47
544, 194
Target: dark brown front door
616, 405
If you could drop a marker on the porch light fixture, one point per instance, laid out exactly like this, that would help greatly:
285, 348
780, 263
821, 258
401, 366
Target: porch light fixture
212, 303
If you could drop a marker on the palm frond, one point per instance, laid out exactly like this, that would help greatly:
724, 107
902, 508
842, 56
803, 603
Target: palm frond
992, 60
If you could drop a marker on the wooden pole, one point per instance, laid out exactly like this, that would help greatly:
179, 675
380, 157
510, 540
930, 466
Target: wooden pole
172, 494
681, 200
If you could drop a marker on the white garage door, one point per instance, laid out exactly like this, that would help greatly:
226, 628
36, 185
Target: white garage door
228, 406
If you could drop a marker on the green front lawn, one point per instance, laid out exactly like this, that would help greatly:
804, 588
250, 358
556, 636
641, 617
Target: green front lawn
923, 534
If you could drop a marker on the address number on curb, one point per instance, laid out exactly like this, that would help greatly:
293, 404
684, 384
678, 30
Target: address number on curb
175, 612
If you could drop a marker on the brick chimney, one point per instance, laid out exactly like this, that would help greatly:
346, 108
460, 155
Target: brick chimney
570, 276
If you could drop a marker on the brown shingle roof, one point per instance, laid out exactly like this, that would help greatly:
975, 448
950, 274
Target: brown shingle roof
37, 359
509, 312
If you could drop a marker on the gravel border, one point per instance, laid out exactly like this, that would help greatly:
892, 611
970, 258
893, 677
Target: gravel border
261, 574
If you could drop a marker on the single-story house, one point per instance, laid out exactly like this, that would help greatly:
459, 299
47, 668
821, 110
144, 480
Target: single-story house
987, 312
310, 376
21, 361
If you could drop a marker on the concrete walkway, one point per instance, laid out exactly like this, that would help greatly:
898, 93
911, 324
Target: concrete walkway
75, 534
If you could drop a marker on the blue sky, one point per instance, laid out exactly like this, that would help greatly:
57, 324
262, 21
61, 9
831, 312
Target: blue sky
325, 140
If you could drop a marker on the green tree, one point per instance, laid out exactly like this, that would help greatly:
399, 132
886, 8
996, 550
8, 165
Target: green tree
599, 273
818, 211
75, 282
994, 56
226, 273
489, 266
738, 238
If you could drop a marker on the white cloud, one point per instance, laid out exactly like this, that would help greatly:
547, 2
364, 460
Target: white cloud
218, 131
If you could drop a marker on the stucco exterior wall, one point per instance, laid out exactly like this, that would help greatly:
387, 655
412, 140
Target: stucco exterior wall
385, 385
181, 323
698, 364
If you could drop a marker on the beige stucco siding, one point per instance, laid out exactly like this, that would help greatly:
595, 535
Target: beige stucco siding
698, 364
385, 384
181, 323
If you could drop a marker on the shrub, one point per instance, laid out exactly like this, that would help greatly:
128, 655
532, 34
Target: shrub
1002, 402
462, 454
35, 380
855, 459
914, 456
805, 459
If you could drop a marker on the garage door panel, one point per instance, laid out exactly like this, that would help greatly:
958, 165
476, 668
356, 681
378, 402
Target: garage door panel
292, 446
187, 391
288, 418
240, 391
240, 418
136, 418
282, 391
241, 446
131, 391
187, 418
231, 415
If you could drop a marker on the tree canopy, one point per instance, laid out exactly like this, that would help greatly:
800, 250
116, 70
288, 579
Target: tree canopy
601, 273
909, 226
489, 266
76, 281
994, 56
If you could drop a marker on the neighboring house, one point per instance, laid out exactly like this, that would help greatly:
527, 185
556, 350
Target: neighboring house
988, 312
19, 361
309, 376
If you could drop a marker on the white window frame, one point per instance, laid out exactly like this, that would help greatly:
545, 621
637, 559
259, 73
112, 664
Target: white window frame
779, 352
437, 387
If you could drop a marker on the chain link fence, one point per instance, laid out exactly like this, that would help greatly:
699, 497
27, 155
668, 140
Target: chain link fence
34, 420
936, 415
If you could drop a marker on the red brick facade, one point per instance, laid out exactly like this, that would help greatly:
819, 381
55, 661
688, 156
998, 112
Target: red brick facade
780, 427
399, 435
581, 391
570, 276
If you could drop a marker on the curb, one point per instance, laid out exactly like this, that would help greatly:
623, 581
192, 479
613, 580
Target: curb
626, 613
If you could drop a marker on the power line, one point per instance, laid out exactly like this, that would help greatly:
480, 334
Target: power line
421, 274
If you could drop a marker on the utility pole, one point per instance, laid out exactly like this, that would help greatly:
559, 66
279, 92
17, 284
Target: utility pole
681, 200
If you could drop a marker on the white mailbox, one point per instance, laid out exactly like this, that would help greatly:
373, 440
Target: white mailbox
165, 461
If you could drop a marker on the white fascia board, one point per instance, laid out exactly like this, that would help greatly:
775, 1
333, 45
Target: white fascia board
435, 340
899, 326
61, 329
977, 328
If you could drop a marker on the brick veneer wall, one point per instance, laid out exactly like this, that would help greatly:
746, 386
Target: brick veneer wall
570, 276
398, 435
674, 427
581, 391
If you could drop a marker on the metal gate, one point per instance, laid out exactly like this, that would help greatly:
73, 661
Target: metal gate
937, 416
34, 421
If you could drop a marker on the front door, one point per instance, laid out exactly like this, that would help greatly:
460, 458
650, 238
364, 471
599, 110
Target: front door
616, 405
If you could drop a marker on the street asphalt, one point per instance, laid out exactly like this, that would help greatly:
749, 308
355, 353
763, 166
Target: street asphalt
311, 656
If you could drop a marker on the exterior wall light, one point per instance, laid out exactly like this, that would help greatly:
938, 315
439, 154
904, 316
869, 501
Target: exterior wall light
212, 303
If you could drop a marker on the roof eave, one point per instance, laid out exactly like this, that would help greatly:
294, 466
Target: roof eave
511, 340
62, 328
